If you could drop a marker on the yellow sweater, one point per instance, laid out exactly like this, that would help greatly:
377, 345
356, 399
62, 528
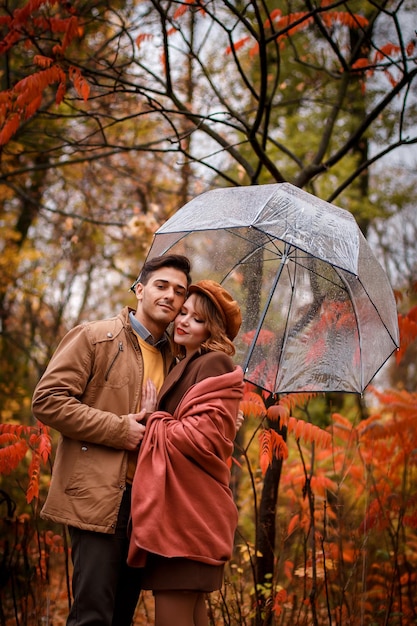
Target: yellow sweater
153, 369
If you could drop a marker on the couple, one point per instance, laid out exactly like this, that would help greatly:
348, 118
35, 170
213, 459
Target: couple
99, 387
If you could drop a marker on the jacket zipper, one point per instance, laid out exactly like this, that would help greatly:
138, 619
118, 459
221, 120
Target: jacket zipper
120, 349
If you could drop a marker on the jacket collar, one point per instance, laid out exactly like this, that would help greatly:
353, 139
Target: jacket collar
144, 333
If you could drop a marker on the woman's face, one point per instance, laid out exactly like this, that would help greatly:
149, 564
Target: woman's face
190, 329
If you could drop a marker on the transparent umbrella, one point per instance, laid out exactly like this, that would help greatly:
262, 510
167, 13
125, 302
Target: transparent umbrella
318, 311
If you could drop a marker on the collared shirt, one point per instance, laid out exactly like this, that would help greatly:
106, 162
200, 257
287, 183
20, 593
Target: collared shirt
145, 334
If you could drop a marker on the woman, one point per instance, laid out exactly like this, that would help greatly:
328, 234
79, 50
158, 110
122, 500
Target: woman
183, 514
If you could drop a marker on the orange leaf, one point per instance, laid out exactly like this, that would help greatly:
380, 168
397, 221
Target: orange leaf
252, 405
254, 50
293, 400
278, 413
143, 37
294, 522
80, 84
33, 106
42, 61
182, 9
34, 473
288, 569
341, 421
306, 432
322, 484
186, 3
265, 459
309, 432
361, 64
389, 49
236, 46
351, 20
279, 600
299, 429
410, 47
292, 424
412, 314
391, 78
45, 444
271, 445
73, 30
12, 454
10, 128
60, 93
279, 447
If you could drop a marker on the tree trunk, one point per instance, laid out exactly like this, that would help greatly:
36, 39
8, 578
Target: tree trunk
265, 534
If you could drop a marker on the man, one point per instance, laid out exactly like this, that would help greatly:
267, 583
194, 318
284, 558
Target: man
91, 393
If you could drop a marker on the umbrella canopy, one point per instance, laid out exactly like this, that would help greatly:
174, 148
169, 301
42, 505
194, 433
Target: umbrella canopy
318, 310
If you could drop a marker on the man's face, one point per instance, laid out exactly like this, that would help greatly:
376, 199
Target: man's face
160, 300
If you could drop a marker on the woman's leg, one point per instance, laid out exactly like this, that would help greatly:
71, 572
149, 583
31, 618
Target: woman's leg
200, 611
184, 608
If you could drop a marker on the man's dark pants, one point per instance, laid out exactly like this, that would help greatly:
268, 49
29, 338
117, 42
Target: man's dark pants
105, 589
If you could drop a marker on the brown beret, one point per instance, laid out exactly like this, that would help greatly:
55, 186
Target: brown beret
227, 307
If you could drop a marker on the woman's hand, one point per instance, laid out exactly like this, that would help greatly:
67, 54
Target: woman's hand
239, 419
149, 395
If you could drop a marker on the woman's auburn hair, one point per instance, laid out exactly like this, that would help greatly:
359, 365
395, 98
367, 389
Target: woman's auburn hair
218, 340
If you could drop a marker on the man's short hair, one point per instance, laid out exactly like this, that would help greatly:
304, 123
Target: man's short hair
177, 261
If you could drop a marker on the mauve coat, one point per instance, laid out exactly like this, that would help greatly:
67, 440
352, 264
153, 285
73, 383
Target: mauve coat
182, 505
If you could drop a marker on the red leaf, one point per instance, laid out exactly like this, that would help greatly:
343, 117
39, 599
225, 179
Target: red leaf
294, 522
271, 445
265, 458
279, 600
252, 405
143, 37
10, 128
279, 447
33, 106
410, 47
42, 61
12, 454
361, 64
278, 413
60, 93
236, 46
408, 333
34, 473
389, 49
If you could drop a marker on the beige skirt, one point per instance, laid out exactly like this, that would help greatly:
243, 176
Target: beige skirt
162, 573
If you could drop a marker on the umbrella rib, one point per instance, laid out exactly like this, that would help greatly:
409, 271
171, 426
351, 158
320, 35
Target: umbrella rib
264, 312
379, 315
352, 300
272, 239
286, 332
363, 385
247, 256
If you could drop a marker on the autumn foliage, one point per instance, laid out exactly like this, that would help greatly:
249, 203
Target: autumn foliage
346, 542
347, 511
17, 442
23, 99
64, 22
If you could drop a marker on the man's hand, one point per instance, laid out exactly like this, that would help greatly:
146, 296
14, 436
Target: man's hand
136, 430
